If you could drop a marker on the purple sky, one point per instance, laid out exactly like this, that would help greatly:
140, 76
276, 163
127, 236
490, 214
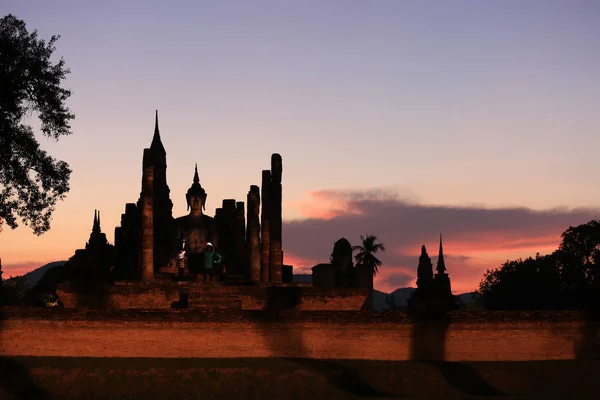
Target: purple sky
447, 103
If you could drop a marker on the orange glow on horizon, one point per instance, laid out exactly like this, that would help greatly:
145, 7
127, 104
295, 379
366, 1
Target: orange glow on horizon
301, 265
488, 245
13, 270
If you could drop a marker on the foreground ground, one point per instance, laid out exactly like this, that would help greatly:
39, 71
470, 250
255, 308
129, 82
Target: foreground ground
96, 378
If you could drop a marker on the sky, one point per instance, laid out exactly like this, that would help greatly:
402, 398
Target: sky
401, 119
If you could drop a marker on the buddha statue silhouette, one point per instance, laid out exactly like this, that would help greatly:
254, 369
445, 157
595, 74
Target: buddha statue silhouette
196, 229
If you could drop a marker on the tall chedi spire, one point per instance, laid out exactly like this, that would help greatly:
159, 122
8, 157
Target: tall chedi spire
158, 210
432, 297
97, 238
157, 148
442, 280
96, 225
155, 164
441, 265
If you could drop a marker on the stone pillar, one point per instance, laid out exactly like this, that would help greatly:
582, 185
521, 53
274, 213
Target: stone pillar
265, 216
219, 221
253, 233
118, 252
227, 239
128, 245
287, 273
147, 273
275, 249
240, 239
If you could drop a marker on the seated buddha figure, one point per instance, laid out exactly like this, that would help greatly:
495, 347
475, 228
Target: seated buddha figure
195, 230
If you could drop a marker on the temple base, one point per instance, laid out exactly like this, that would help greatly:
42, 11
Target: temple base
216, 295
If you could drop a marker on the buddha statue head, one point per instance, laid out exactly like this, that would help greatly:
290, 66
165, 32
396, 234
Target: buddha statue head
196, 195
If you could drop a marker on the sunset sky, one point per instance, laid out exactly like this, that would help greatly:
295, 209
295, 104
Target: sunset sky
403, 119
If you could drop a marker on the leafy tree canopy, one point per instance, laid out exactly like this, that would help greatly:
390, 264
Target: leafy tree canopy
31, 181
567, 278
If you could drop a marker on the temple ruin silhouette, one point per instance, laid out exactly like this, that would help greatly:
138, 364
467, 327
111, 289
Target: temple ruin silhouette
434, 292
157, 259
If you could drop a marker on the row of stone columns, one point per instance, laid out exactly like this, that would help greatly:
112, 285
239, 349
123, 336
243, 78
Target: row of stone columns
259, 248
263, 238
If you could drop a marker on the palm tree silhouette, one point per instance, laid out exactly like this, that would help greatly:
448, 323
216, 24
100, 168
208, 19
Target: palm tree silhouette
366, 252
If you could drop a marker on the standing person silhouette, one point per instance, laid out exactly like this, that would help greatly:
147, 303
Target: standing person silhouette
212, 259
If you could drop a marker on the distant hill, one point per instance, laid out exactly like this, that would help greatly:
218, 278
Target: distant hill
470, 300
32, 278
379, 303
302, 278
401, 297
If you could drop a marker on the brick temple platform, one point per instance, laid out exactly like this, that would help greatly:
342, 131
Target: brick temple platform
168, 295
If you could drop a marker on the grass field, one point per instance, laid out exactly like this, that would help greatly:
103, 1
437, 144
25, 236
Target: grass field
111, 378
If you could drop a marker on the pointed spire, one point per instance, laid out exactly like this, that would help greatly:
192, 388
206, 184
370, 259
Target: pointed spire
196, 177
96, 227
156, 124
157, 147
441, 265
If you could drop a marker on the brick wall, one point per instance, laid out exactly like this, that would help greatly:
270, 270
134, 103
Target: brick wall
307, 298
466, 336
162, 295
140, 295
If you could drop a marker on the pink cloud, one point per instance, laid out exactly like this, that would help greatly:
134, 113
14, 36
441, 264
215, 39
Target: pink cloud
320, 205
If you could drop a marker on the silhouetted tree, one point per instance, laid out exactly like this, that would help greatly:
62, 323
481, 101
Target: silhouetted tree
567, 278
366, 252
533, 283
31, 181
15, 290
580, 250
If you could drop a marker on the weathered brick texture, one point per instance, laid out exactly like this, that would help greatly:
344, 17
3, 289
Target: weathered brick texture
162, 295
340, 335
